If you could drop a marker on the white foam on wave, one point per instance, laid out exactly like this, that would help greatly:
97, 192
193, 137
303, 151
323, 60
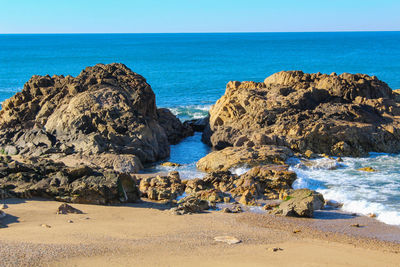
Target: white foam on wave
191, 111
186, 171
360, 192
239, 170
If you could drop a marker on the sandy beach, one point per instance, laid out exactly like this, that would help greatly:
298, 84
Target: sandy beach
146, 234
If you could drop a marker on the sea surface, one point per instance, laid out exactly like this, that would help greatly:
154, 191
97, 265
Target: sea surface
188, 73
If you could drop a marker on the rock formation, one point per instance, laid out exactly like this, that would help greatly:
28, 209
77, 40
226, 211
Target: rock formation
300, 203
230, 157
162, 187
48, 179
106, 109
342, 115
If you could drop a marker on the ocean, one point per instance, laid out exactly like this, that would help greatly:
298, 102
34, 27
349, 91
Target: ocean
188, 73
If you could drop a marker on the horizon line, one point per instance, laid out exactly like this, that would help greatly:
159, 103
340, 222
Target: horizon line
38, 33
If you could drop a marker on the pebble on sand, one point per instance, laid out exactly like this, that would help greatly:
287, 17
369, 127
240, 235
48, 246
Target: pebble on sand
227, 239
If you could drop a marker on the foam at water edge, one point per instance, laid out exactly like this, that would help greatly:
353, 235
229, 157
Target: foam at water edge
239, 170
360, 192
191, 111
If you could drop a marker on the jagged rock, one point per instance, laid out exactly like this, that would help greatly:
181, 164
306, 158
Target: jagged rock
2, 214
66, 209
210, 195
170, 164
341, 115
190, 204
367, 169
105, 109
48, 179
230, 157
162, 187
300, 203
198, 125
195, 185
173, 127
267, 181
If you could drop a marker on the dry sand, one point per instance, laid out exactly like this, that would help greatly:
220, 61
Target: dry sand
145, 234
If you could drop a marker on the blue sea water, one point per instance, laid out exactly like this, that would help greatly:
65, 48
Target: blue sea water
188, 73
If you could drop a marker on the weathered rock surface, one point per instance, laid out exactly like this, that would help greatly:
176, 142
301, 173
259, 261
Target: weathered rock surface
162, 187
43, 178
230, 157
300, 203
68, 209
264, 181
105, 109
261, 182
190, 204
342, 115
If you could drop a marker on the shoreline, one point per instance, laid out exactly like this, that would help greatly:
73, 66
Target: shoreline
122, 235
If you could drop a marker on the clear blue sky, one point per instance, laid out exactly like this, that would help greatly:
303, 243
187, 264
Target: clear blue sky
118, 16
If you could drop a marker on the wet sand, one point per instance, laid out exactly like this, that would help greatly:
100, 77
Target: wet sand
146, 234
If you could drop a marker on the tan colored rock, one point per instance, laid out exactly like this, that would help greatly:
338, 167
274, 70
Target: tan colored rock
300, 203
170, 164
230, 157
227, 239
162, 187
367, 169
340, 115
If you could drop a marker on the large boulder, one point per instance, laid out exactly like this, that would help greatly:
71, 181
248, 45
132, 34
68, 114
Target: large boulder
231, 157
105, 109
343, 115
300, 203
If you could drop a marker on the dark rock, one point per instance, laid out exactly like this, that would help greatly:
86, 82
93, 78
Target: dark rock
198, 125
66, 209
105, 109
56, 181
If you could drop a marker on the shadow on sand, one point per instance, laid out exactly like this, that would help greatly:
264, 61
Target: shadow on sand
333, 215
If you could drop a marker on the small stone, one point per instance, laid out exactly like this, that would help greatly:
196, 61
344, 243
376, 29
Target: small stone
356, 225
45, 225
170, 164
70, 221
227, 239
3, 206
270, 206
226, 210
367, 169
309, 154
227, 199
333, 204
274, 249
65, 209
372, 215
296, 231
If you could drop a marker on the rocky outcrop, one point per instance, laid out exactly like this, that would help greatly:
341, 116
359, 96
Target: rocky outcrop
162, 187
342, 115
105, 109
230, 157
260, 182
300, 203
48, 179
190, 204
266, 181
